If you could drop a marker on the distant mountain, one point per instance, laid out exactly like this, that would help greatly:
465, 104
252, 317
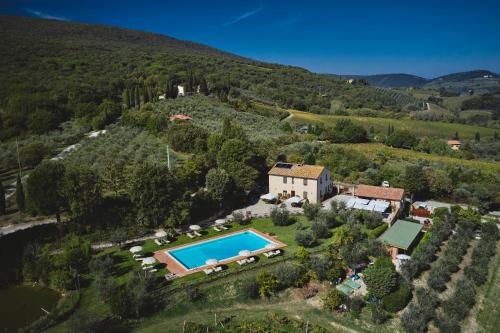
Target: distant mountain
482, 81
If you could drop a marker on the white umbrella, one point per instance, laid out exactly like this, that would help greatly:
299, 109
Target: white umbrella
403, 257
195, 227
161, 233
148, 261
211, 262
271, 246
244, 253
136, 249
220, 221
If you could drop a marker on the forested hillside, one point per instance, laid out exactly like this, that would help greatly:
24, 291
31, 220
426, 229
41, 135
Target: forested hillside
53, 71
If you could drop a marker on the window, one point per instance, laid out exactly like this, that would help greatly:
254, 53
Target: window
284, 180
293, 180
305, 182
285, 193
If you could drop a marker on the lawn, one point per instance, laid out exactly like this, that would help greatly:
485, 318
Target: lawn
418, 127
372, 149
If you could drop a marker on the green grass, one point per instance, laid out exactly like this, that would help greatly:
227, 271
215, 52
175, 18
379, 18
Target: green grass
417, 127
488, 317
371, 150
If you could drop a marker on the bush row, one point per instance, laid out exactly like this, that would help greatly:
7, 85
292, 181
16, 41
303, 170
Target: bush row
425, 253
451, 258
458, 306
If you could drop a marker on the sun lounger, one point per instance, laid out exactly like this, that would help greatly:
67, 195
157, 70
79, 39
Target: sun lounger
277, 252
208, 271
136, 255
158, 242
197, 233
190, 235
241, 262
218, 269
224, 228
146, 268
268, 254
250, 260
217, 229
153, 270
139, 258
164, 241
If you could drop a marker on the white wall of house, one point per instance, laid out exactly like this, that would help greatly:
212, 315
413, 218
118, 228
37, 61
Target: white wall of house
312, 189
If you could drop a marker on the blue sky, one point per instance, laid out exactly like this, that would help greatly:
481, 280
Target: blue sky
427, 38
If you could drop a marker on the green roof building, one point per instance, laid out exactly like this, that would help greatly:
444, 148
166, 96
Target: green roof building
400, 238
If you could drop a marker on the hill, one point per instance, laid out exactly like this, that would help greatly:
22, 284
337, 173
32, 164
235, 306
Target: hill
53, 71
481, 81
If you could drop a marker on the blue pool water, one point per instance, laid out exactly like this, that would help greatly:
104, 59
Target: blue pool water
193, 256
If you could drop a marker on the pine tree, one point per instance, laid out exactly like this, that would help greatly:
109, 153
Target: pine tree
20, 199
2, 199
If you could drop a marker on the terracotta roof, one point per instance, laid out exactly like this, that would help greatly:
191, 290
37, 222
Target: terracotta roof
379, 192
453, 142
180, 117
296, 170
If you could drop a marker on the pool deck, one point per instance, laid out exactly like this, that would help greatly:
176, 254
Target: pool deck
175, 267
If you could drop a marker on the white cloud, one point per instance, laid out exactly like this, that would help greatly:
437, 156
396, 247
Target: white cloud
243, 16
44, 15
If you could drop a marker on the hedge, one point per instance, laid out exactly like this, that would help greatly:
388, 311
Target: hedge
397, 300
372, 234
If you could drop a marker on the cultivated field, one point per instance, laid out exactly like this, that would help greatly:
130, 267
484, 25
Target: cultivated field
418, 127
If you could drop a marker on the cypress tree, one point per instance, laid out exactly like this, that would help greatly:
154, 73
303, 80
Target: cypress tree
137, 99
20, 199
2, 199
478, 137
203, 86
126, 98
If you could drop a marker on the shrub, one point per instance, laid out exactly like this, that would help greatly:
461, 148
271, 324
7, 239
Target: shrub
289, 274
305, 238
311, 210
397, 300
249, 288
193, 294
333, 299
356, 306
378, 314
320, 229
281, 217
239, 218
321, 266
268, 284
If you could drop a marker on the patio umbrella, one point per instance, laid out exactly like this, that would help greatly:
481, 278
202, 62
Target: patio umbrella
220, 221
161, 233
212, 262
271, 246
148, 261
136, 249
403, 257
194, 227
244, 253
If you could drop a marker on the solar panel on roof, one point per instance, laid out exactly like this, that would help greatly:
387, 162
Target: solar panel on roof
284, 165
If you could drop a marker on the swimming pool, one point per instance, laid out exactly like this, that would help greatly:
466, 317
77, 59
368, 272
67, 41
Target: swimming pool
223, 248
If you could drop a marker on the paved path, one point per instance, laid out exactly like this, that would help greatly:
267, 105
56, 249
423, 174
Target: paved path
11, 228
